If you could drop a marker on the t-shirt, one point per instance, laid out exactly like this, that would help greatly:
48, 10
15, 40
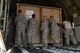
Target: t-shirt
67, 25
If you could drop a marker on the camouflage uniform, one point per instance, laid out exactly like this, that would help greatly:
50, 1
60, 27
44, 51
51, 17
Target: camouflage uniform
54, 30
31, 32
45, 31
20, 38
69, 34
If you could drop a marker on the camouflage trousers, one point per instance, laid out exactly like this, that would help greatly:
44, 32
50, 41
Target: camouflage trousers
31, 37
54, 33
20, 38
45, 39
69, 35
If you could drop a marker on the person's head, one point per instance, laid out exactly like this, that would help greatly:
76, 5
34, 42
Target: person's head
33, 15
44, 17
19, 12
51, 17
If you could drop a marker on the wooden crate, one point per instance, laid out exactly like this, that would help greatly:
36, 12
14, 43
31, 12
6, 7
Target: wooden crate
41, 11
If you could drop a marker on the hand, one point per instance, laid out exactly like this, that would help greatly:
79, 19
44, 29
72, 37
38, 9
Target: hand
59, 24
